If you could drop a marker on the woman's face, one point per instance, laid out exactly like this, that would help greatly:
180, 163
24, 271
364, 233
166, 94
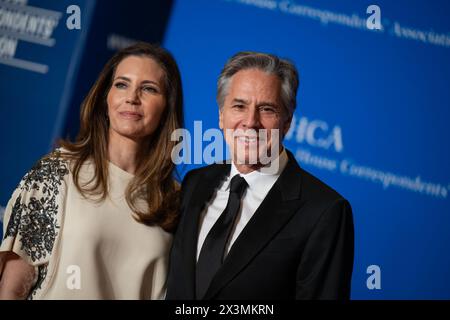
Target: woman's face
136, 99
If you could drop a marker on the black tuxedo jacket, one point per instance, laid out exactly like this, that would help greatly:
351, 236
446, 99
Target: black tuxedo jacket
297, 245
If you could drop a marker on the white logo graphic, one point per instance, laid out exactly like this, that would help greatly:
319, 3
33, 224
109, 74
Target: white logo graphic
20, 22
316, 133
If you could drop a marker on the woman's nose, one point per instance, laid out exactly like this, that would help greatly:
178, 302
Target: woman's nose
133, 97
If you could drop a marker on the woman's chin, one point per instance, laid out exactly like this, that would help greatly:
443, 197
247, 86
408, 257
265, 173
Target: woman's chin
131, 133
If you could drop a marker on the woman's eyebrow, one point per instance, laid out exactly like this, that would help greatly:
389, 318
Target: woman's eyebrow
143, 82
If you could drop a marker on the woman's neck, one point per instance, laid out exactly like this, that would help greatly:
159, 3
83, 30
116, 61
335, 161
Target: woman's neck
124, 152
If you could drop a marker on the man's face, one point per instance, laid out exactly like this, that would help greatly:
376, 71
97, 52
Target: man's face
252, 103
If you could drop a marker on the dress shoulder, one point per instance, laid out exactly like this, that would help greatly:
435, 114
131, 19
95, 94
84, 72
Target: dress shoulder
33, 214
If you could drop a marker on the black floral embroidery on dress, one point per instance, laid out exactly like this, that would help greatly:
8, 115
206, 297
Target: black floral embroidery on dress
42, 274
34, 219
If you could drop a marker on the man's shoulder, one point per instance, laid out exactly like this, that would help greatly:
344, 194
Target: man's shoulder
313, 186
318, 198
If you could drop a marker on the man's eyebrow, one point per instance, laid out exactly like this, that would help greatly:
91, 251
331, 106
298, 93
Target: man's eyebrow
238, 100
267, 104
259, 104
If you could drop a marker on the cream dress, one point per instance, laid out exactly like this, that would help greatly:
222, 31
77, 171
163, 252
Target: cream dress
82, 249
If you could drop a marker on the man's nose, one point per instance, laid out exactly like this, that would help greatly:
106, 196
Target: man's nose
252, 119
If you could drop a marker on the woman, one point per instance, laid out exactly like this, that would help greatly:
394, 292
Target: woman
92, 220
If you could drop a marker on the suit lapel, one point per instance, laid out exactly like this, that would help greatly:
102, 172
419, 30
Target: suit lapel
203, 191
280, 204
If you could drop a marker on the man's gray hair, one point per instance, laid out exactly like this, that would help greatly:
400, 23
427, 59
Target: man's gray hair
269, 63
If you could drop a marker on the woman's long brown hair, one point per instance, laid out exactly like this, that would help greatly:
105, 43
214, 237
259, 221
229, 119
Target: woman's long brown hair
153, 181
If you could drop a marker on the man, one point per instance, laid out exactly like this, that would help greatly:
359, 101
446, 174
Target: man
250, 233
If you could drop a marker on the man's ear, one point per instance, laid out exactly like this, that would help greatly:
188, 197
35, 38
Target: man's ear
287, 125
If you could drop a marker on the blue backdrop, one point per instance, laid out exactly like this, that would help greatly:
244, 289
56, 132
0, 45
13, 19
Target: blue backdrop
372, 117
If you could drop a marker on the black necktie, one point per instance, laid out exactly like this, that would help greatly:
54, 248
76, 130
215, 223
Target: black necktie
213, 249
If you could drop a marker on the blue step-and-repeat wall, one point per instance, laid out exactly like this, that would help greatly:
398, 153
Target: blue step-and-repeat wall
373, 104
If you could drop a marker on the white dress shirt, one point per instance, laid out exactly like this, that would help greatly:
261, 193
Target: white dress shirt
259, 184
